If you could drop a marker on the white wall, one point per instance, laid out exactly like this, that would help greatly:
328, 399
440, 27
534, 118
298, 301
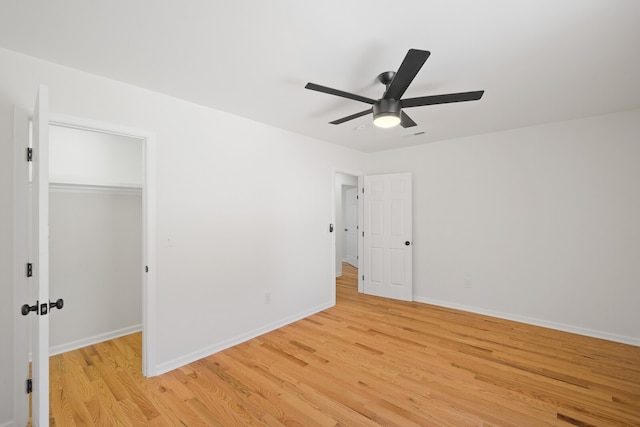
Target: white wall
6, 262
220, 200
543, 222
86, 157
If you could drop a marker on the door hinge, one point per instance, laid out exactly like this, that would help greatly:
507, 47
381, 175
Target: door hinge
363, 277
29, 269
29, 385
29, 154
362, 190
357, 197
363, 234
146, 268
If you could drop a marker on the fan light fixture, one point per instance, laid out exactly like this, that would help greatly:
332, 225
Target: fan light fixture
386, 120
386, 113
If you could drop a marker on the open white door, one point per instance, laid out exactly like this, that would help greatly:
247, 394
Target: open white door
351, 225
387, 236
40, 258
21, 283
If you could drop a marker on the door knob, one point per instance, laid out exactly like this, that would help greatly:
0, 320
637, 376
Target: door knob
26, 309
58, 304
407, 243
43, 308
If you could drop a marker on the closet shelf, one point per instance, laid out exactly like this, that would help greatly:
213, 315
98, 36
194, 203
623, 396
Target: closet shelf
92, 187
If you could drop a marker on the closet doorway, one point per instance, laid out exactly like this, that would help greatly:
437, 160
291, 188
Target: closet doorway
99, 219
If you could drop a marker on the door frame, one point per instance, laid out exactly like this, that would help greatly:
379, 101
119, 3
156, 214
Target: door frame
359, 175
148, 224
21, 236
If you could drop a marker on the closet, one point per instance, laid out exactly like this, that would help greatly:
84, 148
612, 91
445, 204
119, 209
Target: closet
95, 242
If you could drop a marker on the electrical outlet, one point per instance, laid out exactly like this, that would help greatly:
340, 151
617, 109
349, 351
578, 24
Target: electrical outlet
467, 283
267, 298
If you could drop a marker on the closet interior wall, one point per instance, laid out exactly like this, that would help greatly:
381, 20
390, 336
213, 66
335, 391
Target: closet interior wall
95, 208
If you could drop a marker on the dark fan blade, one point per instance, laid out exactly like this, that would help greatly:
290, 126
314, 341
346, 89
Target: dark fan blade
441, 99
337, 92
406, 73
353, 116
406, 122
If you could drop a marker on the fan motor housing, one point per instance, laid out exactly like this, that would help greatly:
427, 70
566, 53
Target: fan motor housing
386, 107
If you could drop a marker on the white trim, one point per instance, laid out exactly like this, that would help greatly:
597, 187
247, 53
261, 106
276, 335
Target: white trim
534, 321
148, 225
82, 123
85, 342
149, 322
208, 351
9, 424
361, 228
332, 239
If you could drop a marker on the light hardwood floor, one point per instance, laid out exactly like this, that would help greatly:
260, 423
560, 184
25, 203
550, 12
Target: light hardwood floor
366, 362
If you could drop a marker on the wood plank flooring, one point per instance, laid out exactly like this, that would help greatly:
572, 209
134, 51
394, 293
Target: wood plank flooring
366, 362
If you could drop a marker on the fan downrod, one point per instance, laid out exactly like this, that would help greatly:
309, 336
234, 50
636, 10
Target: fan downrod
386, 77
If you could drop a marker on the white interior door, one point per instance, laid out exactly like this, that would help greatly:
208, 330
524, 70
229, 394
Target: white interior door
21, 283
351, 225
387, 244
40, 258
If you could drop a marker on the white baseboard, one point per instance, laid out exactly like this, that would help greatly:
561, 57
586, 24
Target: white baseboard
8, 424
208, 351
534, 321
74, 345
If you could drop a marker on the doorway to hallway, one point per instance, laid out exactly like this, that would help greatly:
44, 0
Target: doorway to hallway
347, 225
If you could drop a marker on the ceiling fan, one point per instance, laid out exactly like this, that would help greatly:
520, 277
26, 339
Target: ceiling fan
387, 111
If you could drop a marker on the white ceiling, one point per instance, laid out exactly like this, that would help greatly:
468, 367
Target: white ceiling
538, 60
